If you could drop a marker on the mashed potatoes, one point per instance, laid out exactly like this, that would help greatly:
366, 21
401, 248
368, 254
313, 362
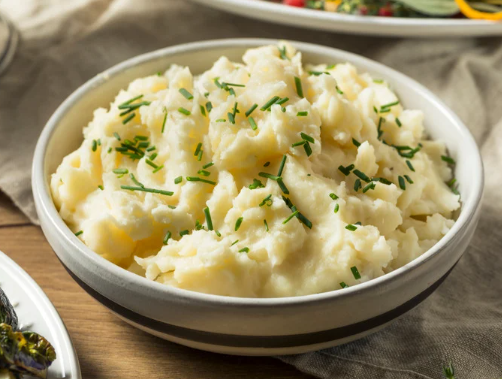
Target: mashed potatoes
262, 179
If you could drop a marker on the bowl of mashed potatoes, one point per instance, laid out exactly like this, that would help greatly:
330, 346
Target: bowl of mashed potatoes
255, 196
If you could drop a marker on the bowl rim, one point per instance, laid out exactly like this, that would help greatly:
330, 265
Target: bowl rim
45, 204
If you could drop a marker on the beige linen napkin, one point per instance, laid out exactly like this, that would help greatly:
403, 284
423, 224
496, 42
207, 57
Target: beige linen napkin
64, 43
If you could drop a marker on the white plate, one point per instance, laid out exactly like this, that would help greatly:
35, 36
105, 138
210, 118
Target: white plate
36, 313
336, 22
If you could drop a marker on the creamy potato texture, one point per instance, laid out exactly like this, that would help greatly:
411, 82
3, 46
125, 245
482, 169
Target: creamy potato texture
365, 188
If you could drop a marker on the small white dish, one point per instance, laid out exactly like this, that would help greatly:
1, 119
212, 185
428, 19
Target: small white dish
246, 326
36, 313
354, 24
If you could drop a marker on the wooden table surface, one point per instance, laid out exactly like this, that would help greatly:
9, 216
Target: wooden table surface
106, 346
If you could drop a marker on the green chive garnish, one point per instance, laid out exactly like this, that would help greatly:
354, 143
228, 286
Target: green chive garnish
128, 118
331, 66
238, 223
398, 122
202, 111
209, 106
144, 189
447, 159
282, 53
221, 120
410, 165
133, 178
302, 114
203, 173
339, 90
357, 185
351, 227
266, 225
361, 175
197, 179
197, 149
346, 170
172, 206
183, 233
356, 142
231, 118
281, 166
282, 186
298, 84
337, 207
408, 179
125, 104
101, 187
266, 164
121, 171
158, 169
333, 196
94, 145
79, 233
233, 243
164, 121
378, 81
307, 148
116, 136
402, 183
186, 94
217, 233
208, 165
343, 285
178, 180
150, 163
166, 237
355, 272
199, 156
269, 103
256, 184
382, 180
250, 110
268, 201
384, 107
290, 217
299, 143
371, 186
184, 111
209, 222
282, 101
306, 137
375, 109
268, 176
244, 250
252, 123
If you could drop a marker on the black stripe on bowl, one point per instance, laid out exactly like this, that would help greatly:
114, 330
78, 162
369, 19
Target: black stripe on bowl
280, 341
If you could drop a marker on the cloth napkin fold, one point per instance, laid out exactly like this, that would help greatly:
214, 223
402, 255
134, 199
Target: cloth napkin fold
65, 43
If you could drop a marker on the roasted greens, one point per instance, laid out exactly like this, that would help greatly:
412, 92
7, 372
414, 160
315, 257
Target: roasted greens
22, 352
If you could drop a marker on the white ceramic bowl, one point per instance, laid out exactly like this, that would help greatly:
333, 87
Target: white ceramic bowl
240, 325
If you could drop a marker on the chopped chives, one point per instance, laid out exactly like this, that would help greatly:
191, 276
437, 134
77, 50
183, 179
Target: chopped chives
233, 243
410, 165
355, 272
306, 137
178, 180
231, 118
398, 122
299, 143
121, 106
109, 150
197, 149
304, 220
382, 180
101, 187
99, 142
186, 94
230, 91
281, 166
408, 179
202, 111
203, 173
252, 123
244, 250
343, 285
164, 121
233, 84
307, 148
133, 178
94, 145
166, 237
302, 114
339, 90
184, 233
238, 223
120, 171
361, 175
402, 183
375, 109
266, 164
331, 66
356, 142
199, 156
143, 145
172, 206
447, 159
282, 101
346, 170
351, 227
298, 84
269, 103
144, 189
282, 53
357, 185
256, 184
371, 186
268, 176
282, 186
385, 110
197, 179
206, 94
128, 118
379, 128
79, 233
150, 163
266, 201
217, 233
151, 148
207, 165
389, 105
337, 207
209, 221
158, 169
184, 111
250, 110
378, 81
221, 120
333, 196
266, 225
290, 217
317, 73
209, 106
116, 136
